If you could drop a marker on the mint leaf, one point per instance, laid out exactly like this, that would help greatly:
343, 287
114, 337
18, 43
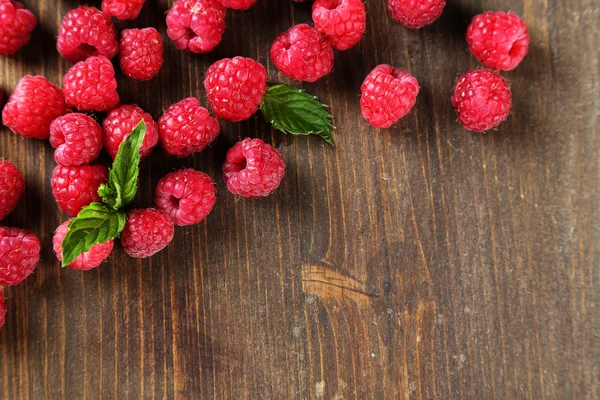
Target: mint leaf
96, 223
294, 111
123, 176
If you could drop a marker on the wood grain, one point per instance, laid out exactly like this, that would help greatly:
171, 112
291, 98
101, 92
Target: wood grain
417, 262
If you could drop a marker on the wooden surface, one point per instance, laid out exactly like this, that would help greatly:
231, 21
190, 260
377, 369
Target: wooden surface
422, 261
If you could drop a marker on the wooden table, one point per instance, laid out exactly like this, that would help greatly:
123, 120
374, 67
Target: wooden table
422, 261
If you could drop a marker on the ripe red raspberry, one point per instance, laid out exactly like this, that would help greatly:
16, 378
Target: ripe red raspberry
253, 168
12, 186
85, 261
499, 40
186, 195
146, 232
77, 139
119, 123
86, 32
2, 309
186, 128
387, 94
16, 26
238, 4
75, 187
235, 87
302, 53
482, 100
416, 13
342, 21
196, 25
19, 254
123, 9
141, 53
33, 105
91, 85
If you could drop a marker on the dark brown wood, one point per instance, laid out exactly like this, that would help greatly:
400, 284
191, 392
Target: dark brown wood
423, 261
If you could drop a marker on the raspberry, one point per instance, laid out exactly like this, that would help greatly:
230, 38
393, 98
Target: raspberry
91, 85
499, 40
253, 168
16, 26
85, 261
123, 9
2, 309
302, 53
342, 21
387, 94
119, 123
416, 13
12, 186
482, 100
77, 139
86, 32
235, 87
141, 53
146, 232
33, 105
75, 187
196, 25
238, 4
19, 254
187, 196
186, 128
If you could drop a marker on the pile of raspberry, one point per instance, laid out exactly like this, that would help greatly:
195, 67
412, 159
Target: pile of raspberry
70, 117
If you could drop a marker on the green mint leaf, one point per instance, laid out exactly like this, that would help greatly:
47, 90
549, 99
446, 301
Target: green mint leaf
123, 176
294, 111
96, 223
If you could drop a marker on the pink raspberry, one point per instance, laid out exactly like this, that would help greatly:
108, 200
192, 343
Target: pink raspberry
119, 123
123, 9
141, 53
302, 53
186, 128
86, 32
253, 168
186, 195
387, 94
16, 26
482, 100
416, 13
499, 40
75, 187
196, 25
238, 4
19, 254
91, 85
146, 232
85, 261
235, 87
77, 139
342, 21
2, 309
12, 186
33, 105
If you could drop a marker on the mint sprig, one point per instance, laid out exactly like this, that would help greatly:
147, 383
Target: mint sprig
121, 187
100, 222
296, 112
